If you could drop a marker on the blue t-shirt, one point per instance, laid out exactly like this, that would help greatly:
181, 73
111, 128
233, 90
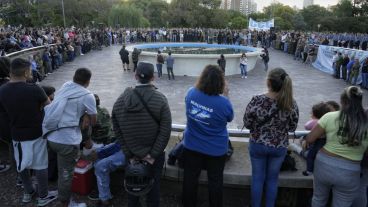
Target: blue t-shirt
207, 117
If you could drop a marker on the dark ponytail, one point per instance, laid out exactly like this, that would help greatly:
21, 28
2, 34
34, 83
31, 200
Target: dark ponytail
282, 84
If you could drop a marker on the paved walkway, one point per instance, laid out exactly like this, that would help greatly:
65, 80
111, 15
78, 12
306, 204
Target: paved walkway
109, 81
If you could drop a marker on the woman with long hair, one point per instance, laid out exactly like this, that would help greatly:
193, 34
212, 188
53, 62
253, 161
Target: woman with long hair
206, 137
337, 165
270, 117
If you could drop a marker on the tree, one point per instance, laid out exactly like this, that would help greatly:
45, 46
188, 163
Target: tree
343, 9
239, 23
126, 15
313, 16
155, 11
298, 21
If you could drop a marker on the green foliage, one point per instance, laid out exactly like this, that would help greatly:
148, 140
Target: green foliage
239, 23
155, 11
313, 16
298, 22
125, 15
343, 17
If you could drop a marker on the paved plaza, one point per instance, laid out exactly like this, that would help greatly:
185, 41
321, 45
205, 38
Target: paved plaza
109, 81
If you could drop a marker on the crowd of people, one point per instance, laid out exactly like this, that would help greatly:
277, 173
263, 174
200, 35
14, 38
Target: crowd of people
141, 122
62, 124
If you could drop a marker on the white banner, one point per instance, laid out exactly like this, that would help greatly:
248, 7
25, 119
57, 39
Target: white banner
254, 25
325, 54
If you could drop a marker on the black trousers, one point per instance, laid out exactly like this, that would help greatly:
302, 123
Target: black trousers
135, 65
193, 164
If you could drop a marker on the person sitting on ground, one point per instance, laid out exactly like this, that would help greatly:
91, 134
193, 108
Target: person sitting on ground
107, 158
318, 110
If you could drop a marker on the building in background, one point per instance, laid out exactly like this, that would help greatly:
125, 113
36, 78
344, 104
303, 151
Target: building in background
226, 4
246, 7
307, 3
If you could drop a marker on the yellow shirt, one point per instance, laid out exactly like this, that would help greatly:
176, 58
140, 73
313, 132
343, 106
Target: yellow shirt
330, 123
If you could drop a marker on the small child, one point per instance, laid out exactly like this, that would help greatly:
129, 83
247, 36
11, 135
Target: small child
318, 110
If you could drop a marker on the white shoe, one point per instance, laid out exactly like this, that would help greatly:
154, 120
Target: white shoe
245, 76
52, 195
75, 204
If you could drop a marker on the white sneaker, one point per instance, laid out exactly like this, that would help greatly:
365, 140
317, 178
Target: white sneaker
245, 76
27, 197
52, 195
75, 204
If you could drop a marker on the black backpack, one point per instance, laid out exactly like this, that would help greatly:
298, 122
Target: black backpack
289, 163
160, 59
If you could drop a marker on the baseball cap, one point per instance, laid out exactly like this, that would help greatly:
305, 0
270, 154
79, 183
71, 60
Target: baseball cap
145, 70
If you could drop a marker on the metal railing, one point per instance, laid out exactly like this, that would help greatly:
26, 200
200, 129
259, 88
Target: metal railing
239, 133
28, 51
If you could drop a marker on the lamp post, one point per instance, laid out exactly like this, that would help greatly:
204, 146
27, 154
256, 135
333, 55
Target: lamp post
62, 6
318, 25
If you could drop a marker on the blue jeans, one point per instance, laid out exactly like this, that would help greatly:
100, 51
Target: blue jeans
159, 70
243, 70
103, 168
365, 80
266, 163
285, 47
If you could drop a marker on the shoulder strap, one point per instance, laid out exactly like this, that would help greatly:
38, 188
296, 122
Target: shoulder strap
145, 106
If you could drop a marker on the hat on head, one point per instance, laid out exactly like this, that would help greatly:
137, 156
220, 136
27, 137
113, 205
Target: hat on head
145, 70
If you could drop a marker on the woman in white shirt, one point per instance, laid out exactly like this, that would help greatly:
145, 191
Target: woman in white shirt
243, 65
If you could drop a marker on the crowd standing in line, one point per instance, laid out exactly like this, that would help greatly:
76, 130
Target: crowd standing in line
269, 117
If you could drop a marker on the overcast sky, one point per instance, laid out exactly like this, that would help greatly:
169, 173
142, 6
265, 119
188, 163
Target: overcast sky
297, 3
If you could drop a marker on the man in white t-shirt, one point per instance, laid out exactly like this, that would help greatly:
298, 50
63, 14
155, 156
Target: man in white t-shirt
62, 128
